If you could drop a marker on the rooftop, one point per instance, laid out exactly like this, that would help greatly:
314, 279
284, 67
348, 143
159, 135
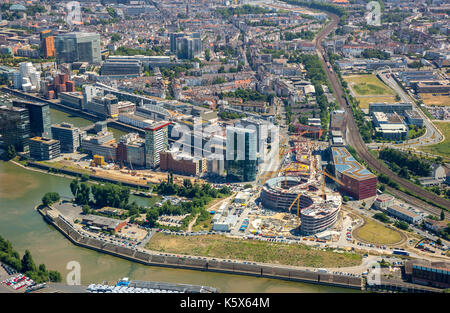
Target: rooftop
346, 164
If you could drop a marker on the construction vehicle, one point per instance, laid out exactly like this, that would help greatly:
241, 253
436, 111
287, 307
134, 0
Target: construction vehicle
323, 183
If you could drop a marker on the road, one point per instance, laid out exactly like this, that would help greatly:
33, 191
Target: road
432, 134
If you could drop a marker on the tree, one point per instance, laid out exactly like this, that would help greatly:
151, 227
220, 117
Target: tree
10, 152
55, 276
28, 263
115, 37
50, 198
86, 209
152, 217
442, 215
74, 187
207, 54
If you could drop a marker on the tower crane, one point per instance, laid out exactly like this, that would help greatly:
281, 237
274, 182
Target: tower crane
323, 183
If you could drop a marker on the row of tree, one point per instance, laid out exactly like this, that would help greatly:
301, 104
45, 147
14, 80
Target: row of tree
26, 265
418, 167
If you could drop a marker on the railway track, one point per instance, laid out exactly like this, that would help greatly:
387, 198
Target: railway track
354, 137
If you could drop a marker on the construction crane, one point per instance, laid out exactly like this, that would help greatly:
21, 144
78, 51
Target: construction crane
323, 183
297, 199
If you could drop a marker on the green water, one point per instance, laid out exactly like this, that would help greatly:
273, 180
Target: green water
57, 117
21, 190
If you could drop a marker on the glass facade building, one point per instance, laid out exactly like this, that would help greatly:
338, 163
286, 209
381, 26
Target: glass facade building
241, 158
78, 47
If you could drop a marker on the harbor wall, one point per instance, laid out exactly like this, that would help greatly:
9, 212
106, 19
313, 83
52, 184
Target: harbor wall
194, 263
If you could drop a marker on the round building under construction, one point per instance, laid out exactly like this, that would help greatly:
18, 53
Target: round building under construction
316, 213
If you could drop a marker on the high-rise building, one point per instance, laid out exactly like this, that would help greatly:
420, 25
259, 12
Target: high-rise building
173, 41
42, 148
78, 47
68, 136
40, 125
189, 46
241, 158
47, 44
156, 140
15, 127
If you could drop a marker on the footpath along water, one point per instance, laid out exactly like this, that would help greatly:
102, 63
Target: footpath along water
22, 189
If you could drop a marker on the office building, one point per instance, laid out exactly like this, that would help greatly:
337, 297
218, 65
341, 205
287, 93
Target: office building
44, 148
131, 150
114, 67
156, 141
404, 214
39, 114
182, 163
189, 46
357, 181
47, 44
68, 136
241, 158
15, 127
399, 108
78, 47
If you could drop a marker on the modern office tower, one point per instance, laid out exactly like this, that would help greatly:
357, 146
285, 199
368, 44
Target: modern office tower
189, 46
78, 47
68, 136
40, 125
241, 156
15, 127
173, 41
42, 148
156, 140
47, 44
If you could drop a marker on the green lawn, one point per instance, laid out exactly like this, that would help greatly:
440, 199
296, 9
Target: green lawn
377, 233
252, 250
368, 88
443, 148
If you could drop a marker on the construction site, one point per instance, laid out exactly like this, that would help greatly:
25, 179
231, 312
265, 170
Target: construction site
300, 189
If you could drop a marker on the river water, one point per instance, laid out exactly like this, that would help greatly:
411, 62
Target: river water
21, 190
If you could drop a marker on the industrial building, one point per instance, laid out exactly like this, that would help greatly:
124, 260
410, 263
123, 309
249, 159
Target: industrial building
424, 272
105, 223
404, 214
358, 182
44, 148
399, 108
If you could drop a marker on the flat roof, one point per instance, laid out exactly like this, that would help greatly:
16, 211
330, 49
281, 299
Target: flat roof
346, 164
